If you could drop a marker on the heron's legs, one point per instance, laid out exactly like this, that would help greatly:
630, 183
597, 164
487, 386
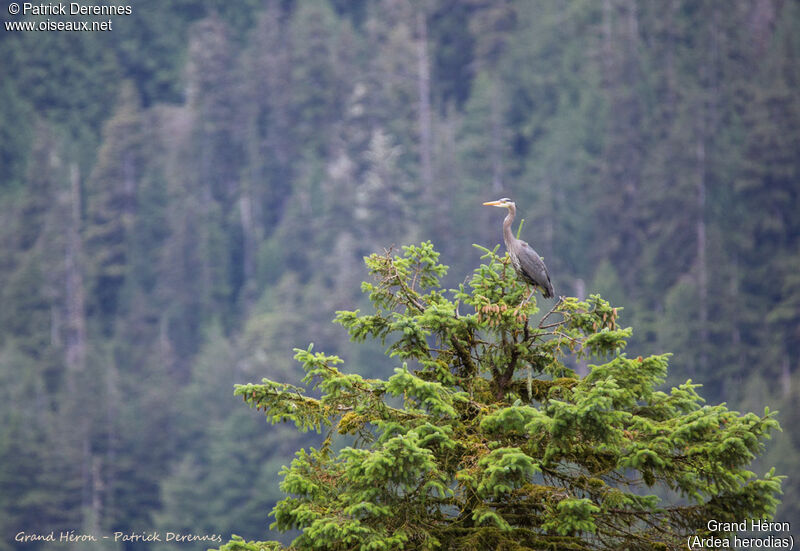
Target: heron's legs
525, 300
530, 294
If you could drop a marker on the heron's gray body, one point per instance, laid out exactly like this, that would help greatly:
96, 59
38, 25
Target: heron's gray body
526, 262
531, 268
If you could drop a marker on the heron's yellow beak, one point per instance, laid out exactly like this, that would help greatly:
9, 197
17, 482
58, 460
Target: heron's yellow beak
493, 204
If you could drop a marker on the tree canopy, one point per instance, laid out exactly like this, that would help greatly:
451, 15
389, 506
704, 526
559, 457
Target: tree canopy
485, 438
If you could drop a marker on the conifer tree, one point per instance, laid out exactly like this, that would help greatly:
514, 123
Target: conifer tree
111, 203
484, 438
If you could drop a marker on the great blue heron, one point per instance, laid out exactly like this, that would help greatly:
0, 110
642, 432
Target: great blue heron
527, 263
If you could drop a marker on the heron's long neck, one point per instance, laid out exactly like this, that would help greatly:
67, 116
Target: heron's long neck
508, 235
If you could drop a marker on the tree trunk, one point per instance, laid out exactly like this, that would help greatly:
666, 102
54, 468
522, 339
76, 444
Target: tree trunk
249, 240
608, 46
75, 331
702, 267
423, 88
497, 137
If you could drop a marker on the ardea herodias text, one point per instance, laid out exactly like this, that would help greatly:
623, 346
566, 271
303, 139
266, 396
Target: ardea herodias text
528, 264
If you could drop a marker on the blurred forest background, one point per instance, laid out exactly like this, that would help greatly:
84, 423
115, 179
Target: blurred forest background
185, 199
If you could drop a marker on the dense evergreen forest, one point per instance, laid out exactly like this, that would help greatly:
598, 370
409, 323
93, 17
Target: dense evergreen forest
186, 198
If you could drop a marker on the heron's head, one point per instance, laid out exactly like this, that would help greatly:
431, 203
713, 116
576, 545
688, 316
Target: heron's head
505, 202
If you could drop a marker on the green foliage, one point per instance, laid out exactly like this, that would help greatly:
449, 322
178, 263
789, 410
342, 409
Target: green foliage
455, 450
111, 202
15, 136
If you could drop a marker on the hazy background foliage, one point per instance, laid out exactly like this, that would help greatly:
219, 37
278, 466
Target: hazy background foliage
185, 199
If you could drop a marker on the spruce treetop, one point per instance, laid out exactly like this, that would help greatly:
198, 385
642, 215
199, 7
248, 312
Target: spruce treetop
485, 438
